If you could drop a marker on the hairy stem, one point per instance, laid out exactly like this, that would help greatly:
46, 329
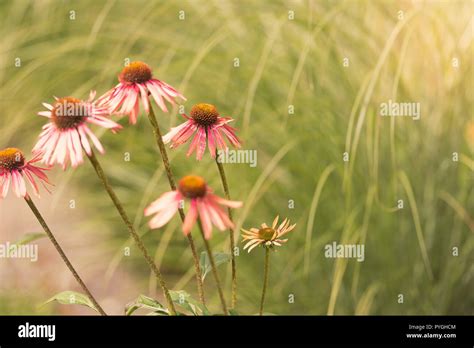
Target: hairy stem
265, 279
231, 233
138, 241
172, 183
63, 255
214, 269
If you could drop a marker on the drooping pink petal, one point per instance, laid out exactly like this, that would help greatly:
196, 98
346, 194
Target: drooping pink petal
144, 96
164, 215
219, 214
5, 184
174, 132
230, 134
60, 151
205, 218
39, 173
155, 92
19, 186
198, 144
94, 139
31, 180
222, 201
162, 202
84, 141
190, 218
70, 150
134, 112
211, 142
216, 218
219, 139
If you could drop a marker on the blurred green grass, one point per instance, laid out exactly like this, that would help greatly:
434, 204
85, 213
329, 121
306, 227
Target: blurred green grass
282, 62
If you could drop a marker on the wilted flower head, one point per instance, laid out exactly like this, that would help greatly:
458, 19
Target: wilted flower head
136, 82
267, 236
67, 131
207, 126
14, 168
203, 205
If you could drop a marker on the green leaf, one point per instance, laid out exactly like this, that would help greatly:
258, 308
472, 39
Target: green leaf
185, 301
148, 303
205, 263
30, 237
72, 297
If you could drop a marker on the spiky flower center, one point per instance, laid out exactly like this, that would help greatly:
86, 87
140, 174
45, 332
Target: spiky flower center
136, 72
11, 158
192, 186
204, 114
70, 112
266, 233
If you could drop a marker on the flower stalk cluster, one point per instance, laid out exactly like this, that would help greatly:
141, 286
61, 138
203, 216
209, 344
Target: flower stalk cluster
67, 137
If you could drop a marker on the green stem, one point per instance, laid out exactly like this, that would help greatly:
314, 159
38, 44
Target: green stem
214, 269
172, 183
138, 241
265, 279
231, 233
61, 252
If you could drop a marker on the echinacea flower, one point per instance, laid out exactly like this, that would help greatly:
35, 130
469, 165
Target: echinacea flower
14, 169
203, 205
207, 126
67, 132
267, 236
136, 82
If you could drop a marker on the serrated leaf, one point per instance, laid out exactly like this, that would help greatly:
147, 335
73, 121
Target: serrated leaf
72, 297
185, 301
30, 237
148, 303
205, 263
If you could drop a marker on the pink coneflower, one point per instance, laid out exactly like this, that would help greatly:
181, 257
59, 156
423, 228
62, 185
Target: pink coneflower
204, 204
14, 168
207, 127
136, 82
269, 237
63, 138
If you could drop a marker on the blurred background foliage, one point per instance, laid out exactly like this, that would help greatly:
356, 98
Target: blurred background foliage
400, 50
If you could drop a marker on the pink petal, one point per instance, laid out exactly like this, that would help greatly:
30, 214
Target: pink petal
18, 184
222, 201
205, 218
84, 141
155, 92
94, 139
5, 184
162, 202
144, 96
191, 218
211, 142
164, 215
